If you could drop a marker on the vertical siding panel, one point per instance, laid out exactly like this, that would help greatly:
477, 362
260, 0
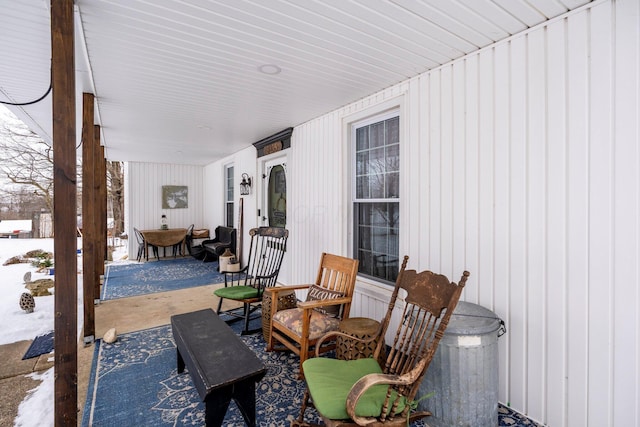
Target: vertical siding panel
501, 220
577, 219
536, 224
296, 211
471, 293
422, 173
556, 295
518, 350
485, 177
601, 195
626, 212
458, 172
445, 204
411, 155
435, 142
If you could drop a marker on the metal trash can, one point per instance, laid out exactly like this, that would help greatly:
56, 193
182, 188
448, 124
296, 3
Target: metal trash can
463, 374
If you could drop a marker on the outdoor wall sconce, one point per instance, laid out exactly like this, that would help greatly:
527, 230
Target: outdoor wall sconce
245, 185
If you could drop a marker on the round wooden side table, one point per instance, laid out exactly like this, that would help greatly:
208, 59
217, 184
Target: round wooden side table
360, 327
285, 300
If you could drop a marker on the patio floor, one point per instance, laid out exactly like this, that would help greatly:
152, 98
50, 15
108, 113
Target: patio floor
148, 311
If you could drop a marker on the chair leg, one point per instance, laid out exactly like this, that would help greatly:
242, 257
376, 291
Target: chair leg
219, 305
247, 315
305, 401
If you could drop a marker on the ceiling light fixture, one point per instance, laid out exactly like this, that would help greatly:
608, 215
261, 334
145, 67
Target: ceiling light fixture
269, 69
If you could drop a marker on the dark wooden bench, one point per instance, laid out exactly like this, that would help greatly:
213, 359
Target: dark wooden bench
221, 365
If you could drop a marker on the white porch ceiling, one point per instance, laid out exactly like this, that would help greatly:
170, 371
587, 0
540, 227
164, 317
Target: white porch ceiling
178, 81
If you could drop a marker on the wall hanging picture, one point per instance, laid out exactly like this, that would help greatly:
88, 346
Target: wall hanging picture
175, 197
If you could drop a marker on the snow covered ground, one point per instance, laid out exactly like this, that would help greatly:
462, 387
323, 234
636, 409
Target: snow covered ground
37, 409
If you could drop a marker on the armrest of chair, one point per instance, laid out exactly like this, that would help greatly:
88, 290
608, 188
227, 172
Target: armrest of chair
242, 270
308, 305
275, 290
370, 380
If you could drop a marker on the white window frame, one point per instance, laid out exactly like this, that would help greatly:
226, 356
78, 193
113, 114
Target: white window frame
229, 193
352, 126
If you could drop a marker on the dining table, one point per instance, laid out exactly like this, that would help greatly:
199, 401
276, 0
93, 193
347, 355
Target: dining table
163, 238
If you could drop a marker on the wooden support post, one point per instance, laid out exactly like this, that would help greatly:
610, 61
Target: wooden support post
100, 213
89, 274
64, 211
103, 201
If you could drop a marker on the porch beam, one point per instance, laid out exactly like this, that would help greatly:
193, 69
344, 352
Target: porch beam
89, 274
64, 211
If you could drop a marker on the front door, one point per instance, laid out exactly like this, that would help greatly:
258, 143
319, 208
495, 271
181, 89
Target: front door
274, 204
275, 193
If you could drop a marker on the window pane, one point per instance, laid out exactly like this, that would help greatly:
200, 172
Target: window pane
392, 130
362, 138
230, 184
229, 215
362, 163
366, 264
376, 186
376, 161
392, 185
229, 197
376, 135
362, 187
364, 237
392, 158
377, 239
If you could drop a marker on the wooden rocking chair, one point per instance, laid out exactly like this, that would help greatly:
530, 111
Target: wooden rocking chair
266, 251
361, 392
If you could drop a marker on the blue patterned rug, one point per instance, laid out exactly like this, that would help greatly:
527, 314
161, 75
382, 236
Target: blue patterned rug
135, 382
126, 280
41, 344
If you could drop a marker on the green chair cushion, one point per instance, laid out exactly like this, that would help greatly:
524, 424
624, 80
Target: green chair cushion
330, 380
236, 292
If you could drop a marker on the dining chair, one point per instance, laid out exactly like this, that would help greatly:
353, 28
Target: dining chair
141, 246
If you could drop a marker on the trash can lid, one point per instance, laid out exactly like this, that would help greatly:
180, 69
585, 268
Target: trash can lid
472, 319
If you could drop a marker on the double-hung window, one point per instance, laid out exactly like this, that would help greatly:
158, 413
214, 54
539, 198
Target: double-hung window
376, 195
228, 199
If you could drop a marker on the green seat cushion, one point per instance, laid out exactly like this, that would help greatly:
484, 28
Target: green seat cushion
330, 380
236, 292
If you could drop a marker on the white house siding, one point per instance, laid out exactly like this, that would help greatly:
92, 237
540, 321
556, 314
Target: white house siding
144, 183
520, 164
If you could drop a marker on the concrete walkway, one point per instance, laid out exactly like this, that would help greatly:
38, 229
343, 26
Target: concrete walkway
14, 383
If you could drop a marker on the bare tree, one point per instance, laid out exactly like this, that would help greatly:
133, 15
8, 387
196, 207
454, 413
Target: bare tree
115, 195
26, 165
26, 162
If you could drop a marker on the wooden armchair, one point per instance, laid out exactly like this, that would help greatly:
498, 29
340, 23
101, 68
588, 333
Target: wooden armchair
266, 251
328, 301
225, 238
361, 392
